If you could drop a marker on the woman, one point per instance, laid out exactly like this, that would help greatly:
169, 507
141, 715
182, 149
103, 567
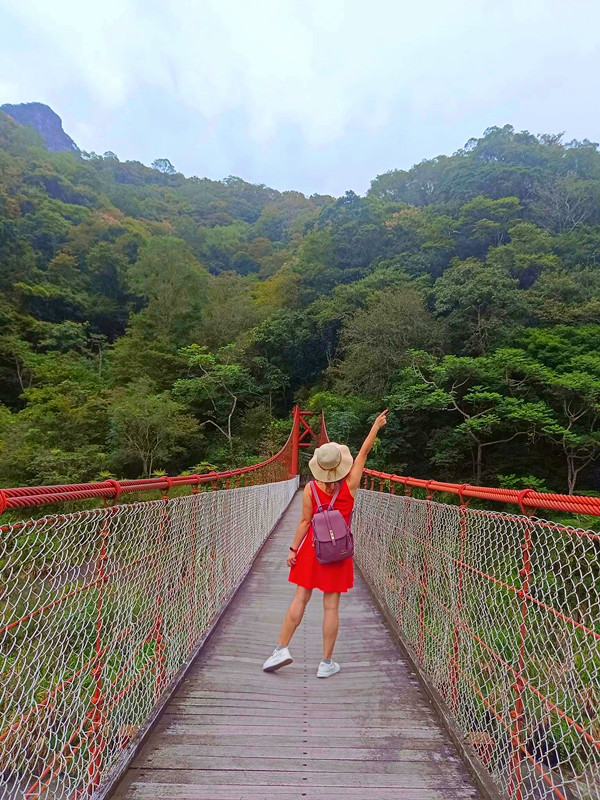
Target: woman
333, 468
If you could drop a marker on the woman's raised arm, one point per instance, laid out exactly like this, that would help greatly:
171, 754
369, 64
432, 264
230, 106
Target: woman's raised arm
355, 474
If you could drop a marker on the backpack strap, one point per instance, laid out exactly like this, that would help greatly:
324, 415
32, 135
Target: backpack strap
316, 496
319, 504
334, 498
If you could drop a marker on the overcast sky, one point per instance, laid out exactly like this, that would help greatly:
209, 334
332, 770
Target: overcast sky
315, 95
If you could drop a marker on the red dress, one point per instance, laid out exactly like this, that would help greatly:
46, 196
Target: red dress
337, 576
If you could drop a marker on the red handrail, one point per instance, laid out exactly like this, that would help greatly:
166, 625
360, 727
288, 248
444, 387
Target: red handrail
524, 498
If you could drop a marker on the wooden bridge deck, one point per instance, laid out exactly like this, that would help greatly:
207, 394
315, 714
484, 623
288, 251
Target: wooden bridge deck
233, 732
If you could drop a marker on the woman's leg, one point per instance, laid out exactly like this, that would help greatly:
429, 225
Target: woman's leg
331, 618
294, 614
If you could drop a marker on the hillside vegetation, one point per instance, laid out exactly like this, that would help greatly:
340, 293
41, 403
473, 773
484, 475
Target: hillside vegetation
151, 322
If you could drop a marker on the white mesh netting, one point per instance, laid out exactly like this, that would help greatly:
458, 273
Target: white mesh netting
98, 611
503, 613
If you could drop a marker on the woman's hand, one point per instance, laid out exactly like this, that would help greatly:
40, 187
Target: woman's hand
380, 421
291, 559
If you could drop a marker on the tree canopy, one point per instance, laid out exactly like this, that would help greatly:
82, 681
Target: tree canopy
150, 321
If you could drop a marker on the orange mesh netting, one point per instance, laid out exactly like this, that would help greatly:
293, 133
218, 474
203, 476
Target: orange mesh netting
101, 608
502, 612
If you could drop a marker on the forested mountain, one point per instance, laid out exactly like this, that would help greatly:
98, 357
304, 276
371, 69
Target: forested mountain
152, 322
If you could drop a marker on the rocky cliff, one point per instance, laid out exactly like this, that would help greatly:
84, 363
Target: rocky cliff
44, 120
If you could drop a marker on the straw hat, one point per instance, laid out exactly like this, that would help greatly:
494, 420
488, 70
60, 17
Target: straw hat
331, 462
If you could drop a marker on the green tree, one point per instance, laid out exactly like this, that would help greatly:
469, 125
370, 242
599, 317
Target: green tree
565, 376
567, 202
162, 165
59, 435
217, 391
482, 413
485, 223
230, 309
314, 262
292, 342
172, 281
147, 428
527, 256
143, 352
376, 341
480, 304
576, 434
565, 296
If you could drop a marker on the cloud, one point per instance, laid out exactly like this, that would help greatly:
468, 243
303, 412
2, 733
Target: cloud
316, 84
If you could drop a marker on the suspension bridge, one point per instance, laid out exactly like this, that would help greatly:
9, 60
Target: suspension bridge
132, 636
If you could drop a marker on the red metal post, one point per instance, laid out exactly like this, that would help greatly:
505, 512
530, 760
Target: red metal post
295, 440
307, 432
96, 714
323, 436
159, 665
192, 576
421, 648
515, 786
454, 694
404, 537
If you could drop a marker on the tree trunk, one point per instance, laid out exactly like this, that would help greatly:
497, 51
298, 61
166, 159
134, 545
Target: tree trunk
572, 473
479, 464
229, 436
19, 375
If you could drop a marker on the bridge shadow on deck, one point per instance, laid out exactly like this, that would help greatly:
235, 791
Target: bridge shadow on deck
232, 732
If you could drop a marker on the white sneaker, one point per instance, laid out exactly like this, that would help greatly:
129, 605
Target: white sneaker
280, 658
327, 670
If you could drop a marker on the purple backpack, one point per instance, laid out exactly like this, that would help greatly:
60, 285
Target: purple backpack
332, 538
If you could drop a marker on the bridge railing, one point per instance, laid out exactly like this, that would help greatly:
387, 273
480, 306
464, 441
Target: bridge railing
501, 612
101, 609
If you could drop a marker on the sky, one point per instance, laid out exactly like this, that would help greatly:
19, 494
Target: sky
318, 96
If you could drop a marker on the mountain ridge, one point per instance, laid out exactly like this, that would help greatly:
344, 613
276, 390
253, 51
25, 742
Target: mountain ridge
45, 121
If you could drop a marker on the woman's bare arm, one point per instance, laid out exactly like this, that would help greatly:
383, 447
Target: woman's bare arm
355, 474
303, 525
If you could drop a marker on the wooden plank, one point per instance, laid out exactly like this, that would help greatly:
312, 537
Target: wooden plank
232, 732
315, 732
408, 779
190, 757
270, 700
154, 791
314, 711
261, 747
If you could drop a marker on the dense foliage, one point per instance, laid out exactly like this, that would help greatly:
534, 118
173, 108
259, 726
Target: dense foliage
150, 321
